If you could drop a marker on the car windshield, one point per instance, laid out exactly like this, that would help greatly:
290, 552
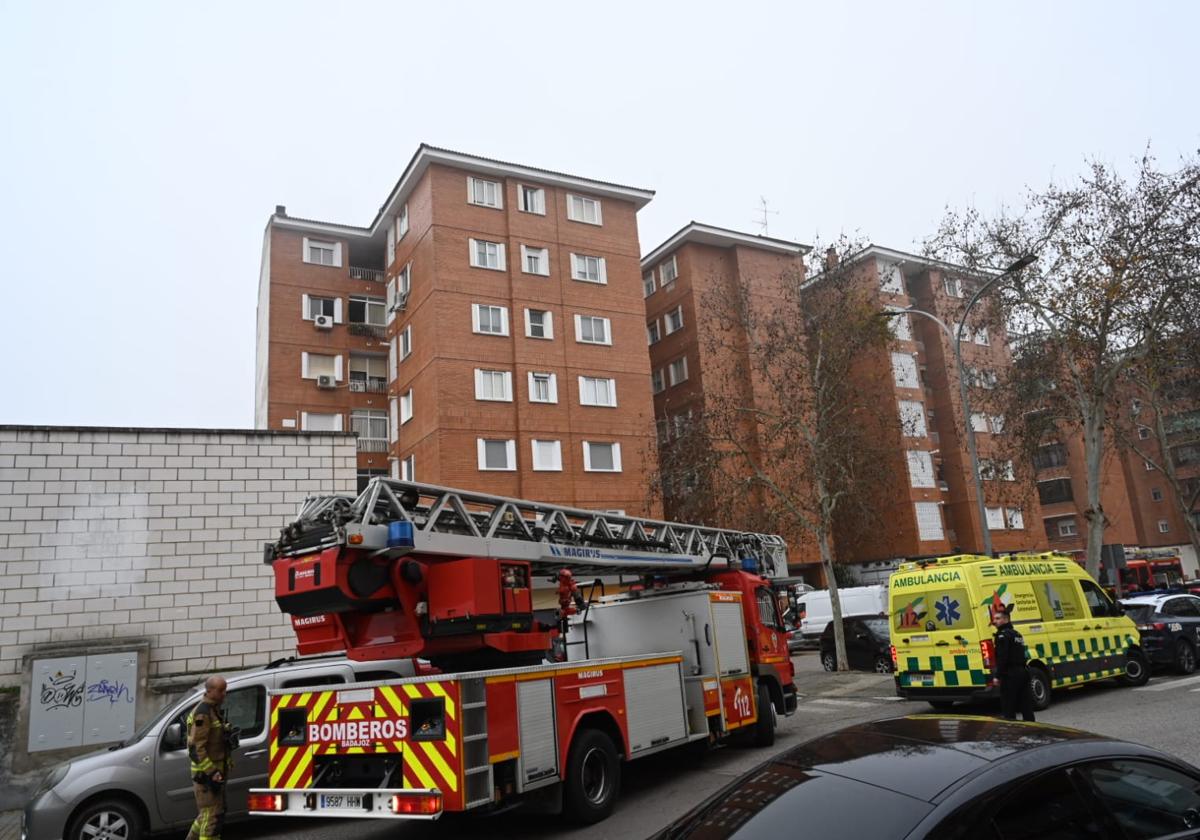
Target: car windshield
1140, 613
154, 721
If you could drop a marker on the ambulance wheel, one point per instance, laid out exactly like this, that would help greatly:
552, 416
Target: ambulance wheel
1137, 670
1185, 657
593, 777
1039, 687
764, 727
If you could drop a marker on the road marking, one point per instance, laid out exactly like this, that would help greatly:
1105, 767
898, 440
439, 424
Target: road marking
1169, 684
858, 704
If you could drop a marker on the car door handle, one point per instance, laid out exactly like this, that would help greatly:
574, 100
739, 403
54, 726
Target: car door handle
255, 753
943, 643
1085, 627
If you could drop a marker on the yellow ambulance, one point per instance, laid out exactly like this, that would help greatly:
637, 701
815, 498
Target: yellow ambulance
941, 632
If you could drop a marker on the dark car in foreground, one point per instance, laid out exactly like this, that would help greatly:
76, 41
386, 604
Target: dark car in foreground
1170, 627
954, 777
867, 644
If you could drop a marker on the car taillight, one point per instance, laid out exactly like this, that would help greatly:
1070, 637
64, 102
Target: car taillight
988, 649
895, 658
265, 802
1158, 625
419, 804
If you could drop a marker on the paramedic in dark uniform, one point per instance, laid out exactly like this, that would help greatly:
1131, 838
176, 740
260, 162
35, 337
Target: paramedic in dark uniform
1011, 672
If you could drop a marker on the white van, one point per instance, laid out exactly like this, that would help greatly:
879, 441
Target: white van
816, 611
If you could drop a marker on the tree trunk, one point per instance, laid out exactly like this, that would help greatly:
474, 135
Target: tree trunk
1093, 456
839, 632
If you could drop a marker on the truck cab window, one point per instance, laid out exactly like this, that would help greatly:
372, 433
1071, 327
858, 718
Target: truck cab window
767, 612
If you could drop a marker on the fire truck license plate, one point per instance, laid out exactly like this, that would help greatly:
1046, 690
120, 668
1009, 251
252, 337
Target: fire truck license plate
341, 800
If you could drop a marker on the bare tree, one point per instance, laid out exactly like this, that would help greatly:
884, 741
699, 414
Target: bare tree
1115, 255
793, 432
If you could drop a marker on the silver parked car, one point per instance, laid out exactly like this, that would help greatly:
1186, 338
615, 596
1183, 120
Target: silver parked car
143, 784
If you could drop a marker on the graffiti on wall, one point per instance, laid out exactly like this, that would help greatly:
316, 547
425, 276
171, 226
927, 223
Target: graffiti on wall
80, 700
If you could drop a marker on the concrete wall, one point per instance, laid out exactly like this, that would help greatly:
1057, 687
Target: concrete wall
153, 534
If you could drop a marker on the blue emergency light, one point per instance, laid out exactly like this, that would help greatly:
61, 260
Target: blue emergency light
400, 534
749, 564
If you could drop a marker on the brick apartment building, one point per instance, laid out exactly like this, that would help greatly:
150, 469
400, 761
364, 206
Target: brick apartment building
1138, 502
936, 513
681, 279
484, 331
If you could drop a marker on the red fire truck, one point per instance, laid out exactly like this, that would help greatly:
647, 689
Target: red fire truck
517, 705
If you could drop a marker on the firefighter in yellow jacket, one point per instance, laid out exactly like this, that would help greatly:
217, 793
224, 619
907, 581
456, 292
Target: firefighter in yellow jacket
209, 745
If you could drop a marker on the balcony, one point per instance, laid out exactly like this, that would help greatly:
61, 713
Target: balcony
374, 275
368, 330
372, 444
372, 385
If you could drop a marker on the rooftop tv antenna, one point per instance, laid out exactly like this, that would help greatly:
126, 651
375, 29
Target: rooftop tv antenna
764, 212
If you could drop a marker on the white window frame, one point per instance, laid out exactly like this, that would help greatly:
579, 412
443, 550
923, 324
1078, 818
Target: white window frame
501, 262
912, 419
391, 245
979, 422
497, 192
547, 324
587, 455
510, 453
1071, 529
305, 415
995, 518
393, 421
920, 468
408, 468
952, 286
901, 371
667, 328
672, 380
579, 329
658, 381
402, 223
587, 383
663, 280
304, 366
539, 203
476, 309
891, 280
543, 256
581, 215
393, 360
648, 284
1164, 526
406, 342
306, 302
900, 324
489, 375
323, 244
551, 382
1156, 494
1015, 518
927, 529
406, 406
982, 338
996, 422
540, 464
579, 268
653, 333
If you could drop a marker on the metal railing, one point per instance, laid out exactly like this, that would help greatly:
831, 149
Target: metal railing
372, 444
375, 275
368, 330
373, 385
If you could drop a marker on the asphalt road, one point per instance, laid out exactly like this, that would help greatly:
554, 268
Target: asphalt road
657, 789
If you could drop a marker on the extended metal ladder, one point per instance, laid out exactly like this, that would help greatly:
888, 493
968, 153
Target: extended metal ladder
460, 523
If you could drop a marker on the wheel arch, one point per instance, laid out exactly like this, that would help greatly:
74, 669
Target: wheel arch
770, 678
122, 794
596, 718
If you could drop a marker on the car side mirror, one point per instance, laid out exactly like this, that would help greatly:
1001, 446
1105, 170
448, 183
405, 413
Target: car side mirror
173, 740
1117, 609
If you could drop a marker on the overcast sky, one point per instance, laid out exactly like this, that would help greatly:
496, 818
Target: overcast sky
143, 146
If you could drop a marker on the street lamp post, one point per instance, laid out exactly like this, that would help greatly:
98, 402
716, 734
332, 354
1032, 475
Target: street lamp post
955, 337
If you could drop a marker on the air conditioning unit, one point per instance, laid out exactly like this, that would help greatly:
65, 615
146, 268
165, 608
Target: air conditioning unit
326, 381
323, 322
401, 302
